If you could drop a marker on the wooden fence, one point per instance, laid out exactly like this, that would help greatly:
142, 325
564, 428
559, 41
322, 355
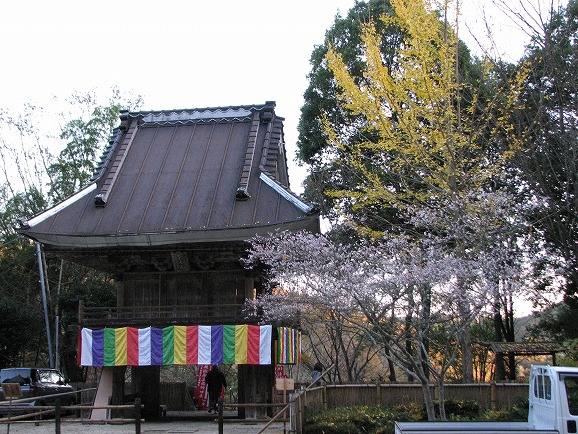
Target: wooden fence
488, 396
175, 396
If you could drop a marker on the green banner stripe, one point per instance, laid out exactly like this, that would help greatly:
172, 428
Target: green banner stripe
168, 345
109, 347
229, 344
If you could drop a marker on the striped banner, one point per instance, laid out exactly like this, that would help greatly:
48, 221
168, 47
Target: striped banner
177, 345
288, 349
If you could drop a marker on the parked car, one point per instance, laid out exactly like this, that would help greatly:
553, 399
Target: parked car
39, 382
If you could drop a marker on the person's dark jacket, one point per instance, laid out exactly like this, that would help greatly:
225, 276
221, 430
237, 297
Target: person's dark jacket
215, 380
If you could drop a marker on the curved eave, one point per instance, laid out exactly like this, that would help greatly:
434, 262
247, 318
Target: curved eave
310, 223
39, 218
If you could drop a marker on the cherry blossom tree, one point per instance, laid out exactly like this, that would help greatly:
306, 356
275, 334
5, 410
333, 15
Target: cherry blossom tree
406, 296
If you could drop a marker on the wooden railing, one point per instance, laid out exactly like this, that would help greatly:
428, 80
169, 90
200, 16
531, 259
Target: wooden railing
208, 314
27, 413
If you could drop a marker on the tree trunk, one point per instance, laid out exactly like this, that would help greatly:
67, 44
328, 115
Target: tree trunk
392, 377
428, 400
442, 400
467, 359
498, 337
408, 345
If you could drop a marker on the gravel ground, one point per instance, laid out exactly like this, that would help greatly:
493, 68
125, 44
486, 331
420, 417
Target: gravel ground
175, 426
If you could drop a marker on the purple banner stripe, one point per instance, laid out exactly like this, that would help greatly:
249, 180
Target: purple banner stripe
98, 347
156, 346
216, 345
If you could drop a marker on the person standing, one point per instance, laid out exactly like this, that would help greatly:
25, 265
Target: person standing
216, 381
316, 374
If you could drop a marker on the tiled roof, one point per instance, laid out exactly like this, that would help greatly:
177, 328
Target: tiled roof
524, 348
182, 176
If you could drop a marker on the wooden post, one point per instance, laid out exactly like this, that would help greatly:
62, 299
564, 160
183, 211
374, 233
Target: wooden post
9, 414
493, 395
285, 403
377, 393
220, 410
303, 411
137, 406
57, 416
299, 416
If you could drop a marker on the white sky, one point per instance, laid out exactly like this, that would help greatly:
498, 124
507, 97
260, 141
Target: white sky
182, 53
175, 53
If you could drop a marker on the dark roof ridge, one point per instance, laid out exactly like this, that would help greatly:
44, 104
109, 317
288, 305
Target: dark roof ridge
252, 107
242, 192
196, 115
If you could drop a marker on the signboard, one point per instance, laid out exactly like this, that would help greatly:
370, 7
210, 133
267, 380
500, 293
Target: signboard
280, 371
284, 384
201, 392
11, 390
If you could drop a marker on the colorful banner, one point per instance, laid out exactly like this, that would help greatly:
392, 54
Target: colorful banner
176, 345
288, 346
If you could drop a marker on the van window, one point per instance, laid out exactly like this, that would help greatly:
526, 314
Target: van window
542, 387
547, 387
571, 385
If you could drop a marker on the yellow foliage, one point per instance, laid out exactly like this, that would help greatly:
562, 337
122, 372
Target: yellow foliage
414, 109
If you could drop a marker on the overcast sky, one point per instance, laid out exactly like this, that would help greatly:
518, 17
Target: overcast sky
175, 53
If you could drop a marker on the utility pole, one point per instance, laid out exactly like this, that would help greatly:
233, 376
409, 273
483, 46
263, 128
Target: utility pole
44, 303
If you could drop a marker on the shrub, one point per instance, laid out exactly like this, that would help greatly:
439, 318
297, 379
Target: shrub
411, 412
355, 420
455, 410
519, 412
380, 420
462, 410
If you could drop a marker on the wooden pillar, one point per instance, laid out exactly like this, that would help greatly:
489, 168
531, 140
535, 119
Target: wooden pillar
117, 398
500, 366
493, 396
256, 384
119, 293
245, 391
147, 386
250, 291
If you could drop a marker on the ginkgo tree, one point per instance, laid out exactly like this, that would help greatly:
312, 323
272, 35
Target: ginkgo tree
445, 138
417, 122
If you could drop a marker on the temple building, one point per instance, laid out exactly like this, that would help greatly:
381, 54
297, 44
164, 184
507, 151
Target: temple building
169, 213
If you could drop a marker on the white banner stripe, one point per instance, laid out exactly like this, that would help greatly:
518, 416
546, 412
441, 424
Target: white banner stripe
86, 347
204, 345
265, 345
144, 346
